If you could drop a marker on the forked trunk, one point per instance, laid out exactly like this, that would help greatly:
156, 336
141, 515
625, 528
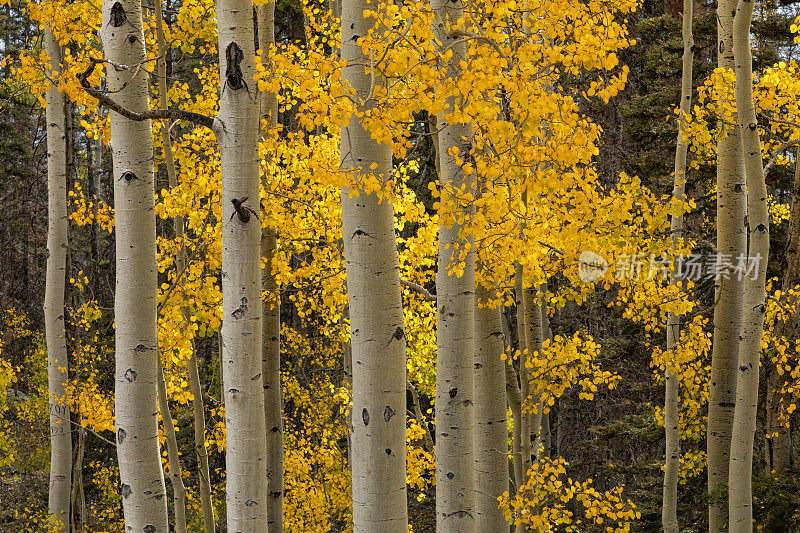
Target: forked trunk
740, 490
732, 241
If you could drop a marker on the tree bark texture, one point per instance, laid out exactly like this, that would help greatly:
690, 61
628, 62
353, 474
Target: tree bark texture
55, 285
377, 330
137, 355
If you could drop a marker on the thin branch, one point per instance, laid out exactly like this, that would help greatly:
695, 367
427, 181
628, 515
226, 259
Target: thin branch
419, 288
155, 114
90, 430
775, 155
419, 416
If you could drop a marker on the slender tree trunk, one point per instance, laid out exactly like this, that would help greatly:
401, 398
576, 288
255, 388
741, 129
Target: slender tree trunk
137, 360
271, 352
732, 241
273, 405
78, 500
740, 491
193, 375
547, 333
524, 419
237, 127
669, 510
515, 404
455, 318
533, 340
175, 475
491, 424
57, 363
777, 441
376, 314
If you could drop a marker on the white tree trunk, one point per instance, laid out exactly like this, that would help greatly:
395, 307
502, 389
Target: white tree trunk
57, 363
378, 340
237, 127
740, 493
271, 350
669, 509
175, 475
523, 418
455, 317
491, 424
137, 360
731, 240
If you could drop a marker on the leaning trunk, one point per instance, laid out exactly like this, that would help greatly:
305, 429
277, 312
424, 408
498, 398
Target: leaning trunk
60, 434
137, 359
377, 330
740, 492
669, 509
732, 241
237, 126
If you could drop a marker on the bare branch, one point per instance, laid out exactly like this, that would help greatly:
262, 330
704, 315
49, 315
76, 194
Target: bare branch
155, 114
776, 153
419, 288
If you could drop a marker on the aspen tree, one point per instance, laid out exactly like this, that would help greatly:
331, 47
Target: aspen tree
777, 441
491, 424
740, 492
377, 328
236, 128
176, 476
731, 241
137, 355
669, 509
455, 289
271, 329
60, 434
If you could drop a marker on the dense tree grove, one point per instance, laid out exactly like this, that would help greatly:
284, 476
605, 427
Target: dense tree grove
388, 266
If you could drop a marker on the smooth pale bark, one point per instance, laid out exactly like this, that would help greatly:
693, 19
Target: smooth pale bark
732, 241
531, 330
237, 127
533, 340
175, 476
455, 317
777, 442
377, 330
547, 333
669, 509
522, 419
491, 424
515, 404
273, 403
57, 363
137, 360
740, 491
271, 329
